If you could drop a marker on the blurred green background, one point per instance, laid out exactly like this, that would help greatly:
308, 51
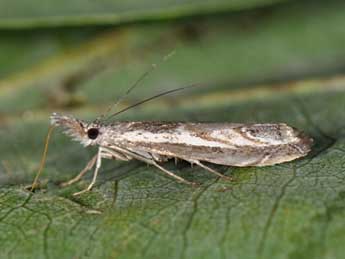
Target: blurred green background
256, 61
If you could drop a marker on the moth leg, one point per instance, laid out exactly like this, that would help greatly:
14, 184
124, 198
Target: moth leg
171, 174
88, 167
98, 165
106, 153
197, 162
111, 154
159, 158
151, 161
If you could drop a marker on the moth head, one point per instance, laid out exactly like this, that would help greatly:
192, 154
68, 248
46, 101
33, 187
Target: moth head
84, 132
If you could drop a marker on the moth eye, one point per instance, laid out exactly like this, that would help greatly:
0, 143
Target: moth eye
92, 133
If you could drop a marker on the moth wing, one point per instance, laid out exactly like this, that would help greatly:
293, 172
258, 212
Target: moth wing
221, 143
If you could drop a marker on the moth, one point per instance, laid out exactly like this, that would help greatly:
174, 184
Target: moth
230, 144
152, 142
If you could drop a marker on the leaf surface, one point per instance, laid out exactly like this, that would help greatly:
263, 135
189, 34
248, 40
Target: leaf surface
34, 13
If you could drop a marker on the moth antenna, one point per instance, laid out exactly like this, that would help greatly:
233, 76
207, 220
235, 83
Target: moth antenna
43, 160
136, 83
151, 98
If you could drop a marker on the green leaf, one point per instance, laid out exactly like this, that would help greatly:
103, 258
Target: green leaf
249, 70
66, 68
36, 13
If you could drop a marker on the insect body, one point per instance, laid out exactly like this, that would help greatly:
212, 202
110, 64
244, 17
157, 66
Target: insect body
154, 142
